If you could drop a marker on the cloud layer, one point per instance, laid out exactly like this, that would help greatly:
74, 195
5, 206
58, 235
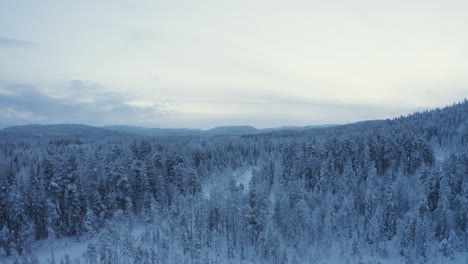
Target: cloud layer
79, 102
10, 42
263, 63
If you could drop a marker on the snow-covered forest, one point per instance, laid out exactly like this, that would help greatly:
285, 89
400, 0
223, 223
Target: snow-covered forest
391, 191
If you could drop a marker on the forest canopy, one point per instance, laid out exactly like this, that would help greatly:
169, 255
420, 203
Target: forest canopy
374, 188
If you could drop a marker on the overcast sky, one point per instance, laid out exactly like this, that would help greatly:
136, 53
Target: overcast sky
206, 63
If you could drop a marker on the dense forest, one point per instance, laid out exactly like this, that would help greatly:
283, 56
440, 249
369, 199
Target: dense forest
360, 193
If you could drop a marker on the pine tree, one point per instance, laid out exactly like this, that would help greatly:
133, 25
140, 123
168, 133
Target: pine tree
19, 224
73, 210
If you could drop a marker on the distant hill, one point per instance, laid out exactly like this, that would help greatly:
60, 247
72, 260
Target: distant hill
160, 132
79, 130
166, 132
216, 131
60, 130
231, 130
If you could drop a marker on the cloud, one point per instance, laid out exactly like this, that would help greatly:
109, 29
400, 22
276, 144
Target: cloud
82, 102
11, 42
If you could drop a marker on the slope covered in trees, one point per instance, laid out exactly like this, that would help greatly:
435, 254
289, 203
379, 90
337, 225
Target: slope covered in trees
378, 189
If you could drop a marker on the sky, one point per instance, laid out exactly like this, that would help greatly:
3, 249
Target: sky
207, 63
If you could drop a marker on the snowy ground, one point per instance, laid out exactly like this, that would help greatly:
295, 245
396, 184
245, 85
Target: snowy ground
241, 176
47, 250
